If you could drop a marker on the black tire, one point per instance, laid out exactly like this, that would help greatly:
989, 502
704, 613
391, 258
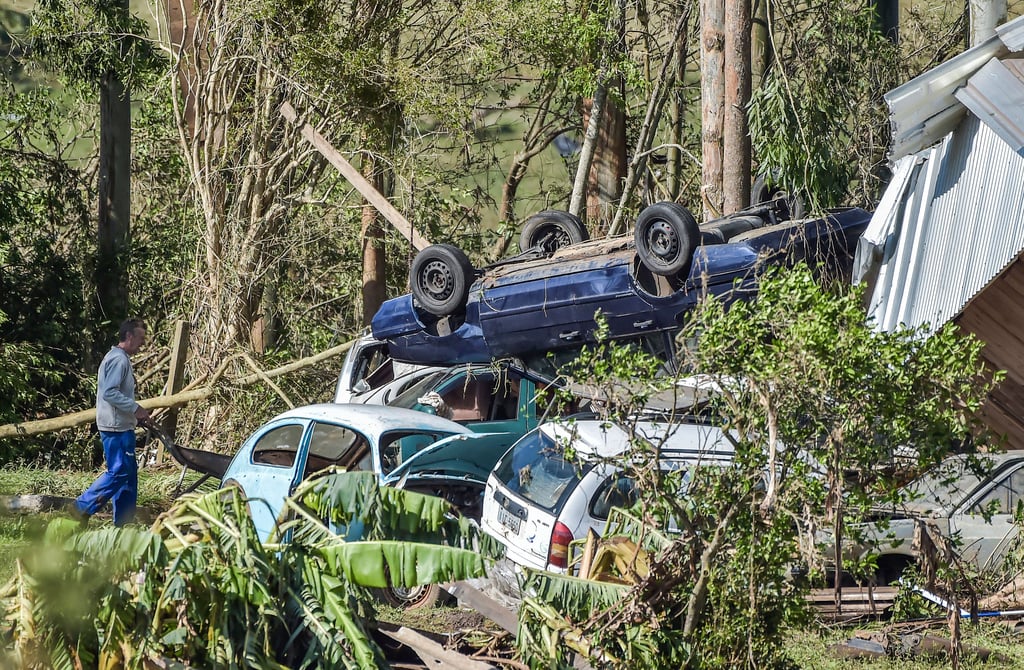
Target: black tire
440, 279
412, 598
666, 235
551, 230
765, 189
891, 569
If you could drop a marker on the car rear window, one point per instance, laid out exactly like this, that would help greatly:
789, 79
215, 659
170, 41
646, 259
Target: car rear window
536, 469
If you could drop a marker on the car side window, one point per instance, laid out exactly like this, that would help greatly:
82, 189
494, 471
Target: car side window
471, 398
616, 491
331, 444
506, 400
278, 446
397, 447
1005, 496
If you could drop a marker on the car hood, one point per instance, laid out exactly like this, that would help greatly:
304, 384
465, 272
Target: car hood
471, 456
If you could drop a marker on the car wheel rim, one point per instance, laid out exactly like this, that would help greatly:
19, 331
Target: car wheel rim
437, 280
409, 596
662, 241
554, 238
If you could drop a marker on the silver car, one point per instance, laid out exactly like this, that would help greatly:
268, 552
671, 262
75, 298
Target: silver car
975, 506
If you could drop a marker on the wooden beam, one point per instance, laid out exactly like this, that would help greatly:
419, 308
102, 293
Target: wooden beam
478, 600
372, 195
176, 400
433, 654
175, 379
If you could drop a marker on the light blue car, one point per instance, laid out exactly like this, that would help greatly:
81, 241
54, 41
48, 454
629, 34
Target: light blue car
408, 449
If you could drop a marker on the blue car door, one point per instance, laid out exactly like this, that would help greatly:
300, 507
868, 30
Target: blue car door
272, 471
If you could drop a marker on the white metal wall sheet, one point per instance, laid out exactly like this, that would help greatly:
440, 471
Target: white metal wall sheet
923, 110
961, 221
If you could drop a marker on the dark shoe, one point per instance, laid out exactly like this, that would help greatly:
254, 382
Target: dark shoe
78, 515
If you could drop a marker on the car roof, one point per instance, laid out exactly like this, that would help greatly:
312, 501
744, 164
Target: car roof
373, 418
594, 439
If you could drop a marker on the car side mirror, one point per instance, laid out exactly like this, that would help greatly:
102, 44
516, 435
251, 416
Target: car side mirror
361, 386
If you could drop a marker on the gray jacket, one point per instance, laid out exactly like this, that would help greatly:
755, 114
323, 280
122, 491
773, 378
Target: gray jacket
115, 393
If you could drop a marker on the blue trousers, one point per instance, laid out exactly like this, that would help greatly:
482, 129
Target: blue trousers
119, 484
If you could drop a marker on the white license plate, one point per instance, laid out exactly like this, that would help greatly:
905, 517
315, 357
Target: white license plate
509, 520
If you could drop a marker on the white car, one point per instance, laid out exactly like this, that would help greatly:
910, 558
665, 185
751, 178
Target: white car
537, 501
368, 375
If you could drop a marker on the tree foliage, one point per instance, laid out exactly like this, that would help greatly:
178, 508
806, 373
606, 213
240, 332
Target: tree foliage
820, 101
43, 228
84, 41
808, 393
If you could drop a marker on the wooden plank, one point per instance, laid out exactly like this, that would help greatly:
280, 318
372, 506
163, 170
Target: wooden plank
433, 654
365, 188
175, 380
476, 599
857, 602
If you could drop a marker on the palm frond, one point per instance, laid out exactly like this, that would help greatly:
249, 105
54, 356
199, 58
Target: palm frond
118, 550
332, 613
362, 509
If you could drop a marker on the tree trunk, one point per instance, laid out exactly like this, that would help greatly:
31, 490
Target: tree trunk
604, 186
736, 132
578, 198
372, 239
761, 51
985, 16
114, 220
887, 15
181, 31
598, 105
712, 87
677, 127
652, 119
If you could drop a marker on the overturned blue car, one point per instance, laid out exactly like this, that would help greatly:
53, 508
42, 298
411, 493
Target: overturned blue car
543, 301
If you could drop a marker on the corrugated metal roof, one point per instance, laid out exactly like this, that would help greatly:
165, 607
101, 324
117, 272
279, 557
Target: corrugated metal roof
924, 109
1012, 34
995, 94
957, 221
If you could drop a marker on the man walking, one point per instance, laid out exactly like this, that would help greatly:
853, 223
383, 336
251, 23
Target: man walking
117, 414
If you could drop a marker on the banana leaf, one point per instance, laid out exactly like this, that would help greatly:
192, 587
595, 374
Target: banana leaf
380, 563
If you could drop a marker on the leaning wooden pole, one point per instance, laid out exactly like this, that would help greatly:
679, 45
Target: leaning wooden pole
176, 400
365, 188
175, 378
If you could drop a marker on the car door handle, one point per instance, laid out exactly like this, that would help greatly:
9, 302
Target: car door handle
643, 324
569, 335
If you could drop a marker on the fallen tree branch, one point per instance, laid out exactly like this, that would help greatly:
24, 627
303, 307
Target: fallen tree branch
178, 399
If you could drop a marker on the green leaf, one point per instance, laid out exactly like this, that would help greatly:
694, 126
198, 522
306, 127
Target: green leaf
380, 563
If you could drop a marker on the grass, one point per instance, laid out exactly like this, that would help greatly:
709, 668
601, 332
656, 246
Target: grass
18, 532
815, 649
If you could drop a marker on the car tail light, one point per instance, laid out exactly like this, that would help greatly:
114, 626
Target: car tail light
558, 554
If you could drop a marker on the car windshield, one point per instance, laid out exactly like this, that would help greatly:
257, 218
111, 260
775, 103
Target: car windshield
409, 398
536, 469
943, 488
